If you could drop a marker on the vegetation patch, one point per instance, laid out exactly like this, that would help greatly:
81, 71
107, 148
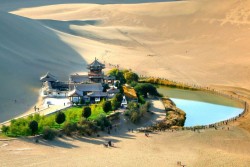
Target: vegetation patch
165, 82
136, 111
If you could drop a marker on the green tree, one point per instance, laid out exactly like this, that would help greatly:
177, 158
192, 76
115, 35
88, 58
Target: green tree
145, 88
86, 112
118, 97
5, 129
105, 87
60, 117
131, 77
119, 75
116, 101
107, 106
33, 125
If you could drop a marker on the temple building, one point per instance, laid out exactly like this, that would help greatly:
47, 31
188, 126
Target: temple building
95, 74
81, 88
95, 71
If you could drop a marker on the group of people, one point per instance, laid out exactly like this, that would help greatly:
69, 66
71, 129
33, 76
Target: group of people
36, 109
109, 144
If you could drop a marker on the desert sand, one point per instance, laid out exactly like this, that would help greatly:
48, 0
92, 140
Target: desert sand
201, 42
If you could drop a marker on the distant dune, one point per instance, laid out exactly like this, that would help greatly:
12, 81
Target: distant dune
203, 42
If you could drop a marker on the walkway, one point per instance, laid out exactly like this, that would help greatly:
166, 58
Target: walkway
60, 104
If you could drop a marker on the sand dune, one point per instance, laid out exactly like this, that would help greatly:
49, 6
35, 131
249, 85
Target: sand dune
201, 42
28, 50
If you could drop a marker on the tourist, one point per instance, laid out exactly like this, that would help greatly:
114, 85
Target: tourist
110, 143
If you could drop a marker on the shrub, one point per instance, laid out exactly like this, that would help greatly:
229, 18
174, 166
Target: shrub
134, 117
33, 125
19, 127
60, 117
86, 112
87, 127
141, 99
107, 106
68, 128
102, 122
49, 134
135, 112
114, 116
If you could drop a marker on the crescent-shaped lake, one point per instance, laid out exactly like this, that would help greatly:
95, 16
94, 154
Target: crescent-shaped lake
201, 107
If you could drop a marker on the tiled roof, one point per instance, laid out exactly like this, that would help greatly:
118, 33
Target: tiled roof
92, 87
48, 77
96, 64
75, 92
98, 94
79, 78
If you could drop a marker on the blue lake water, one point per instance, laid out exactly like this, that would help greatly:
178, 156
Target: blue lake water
203, 113
202, 108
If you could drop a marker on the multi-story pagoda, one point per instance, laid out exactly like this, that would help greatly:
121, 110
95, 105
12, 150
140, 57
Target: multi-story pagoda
95, 71
81, 87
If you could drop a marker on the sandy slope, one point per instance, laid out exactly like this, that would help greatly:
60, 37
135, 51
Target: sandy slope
203, 42
28, 50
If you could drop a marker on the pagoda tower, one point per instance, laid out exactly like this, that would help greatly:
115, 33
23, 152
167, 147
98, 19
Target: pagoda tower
95, 71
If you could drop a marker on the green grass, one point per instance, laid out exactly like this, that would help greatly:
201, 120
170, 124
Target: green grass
97, 110
74, 114
20, 127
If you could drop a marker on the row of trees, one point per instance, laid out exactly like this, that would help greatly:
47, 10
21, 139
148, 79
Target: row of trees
124, 76
131, 78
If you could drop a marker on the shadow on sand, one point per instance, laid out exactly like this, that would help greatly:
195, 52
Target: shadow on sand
37, 50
